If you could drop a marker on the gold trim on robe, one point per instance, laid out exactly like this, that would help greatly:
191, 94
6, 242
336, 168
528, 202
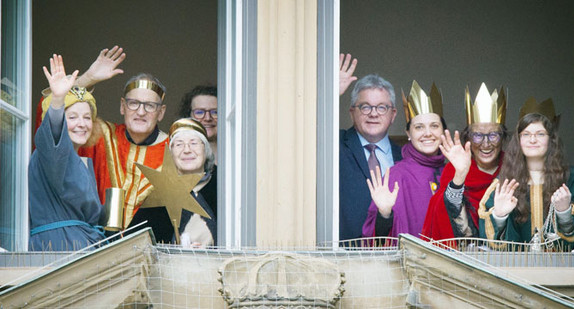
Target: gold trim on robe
537, 210
123, 173
485, 215
114, 170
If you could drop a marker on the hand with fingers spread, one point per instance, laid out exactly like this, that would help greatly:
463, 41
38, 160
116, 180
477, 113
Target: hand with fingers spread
561, 198
504, 199
457, 154
380, 193
104, 67
346, 70
60, 84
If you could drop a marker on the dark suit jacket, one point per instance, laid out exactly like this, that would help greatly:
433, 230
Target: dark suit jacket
354, 195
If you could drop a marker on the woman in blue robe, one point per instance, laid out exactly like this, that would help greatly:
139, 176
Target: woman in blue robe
63, 199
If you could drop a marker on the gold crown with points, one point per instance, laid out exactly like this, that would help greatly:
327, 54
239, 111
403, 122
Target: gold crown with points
545, 108
487, 107
419, 103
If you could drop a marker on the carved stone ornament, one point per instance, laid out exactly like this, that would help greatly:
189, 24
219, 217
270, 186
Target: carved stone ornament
280, 280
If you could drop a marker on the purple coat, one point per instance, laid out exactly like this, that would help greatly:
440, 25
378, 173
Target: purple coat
417, 176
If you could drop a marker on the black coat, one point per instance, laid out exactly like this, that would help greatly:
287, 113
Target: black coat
354, 195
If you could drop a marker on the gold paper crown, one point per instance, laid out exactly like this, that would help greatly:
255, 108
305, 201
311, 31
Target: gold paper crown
75, 95
545, 108
186, 124
145, 84
419, 103
487, 107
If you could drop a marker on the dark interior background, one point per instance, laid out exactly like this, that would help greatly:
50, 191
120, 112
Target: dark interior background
527, 46
174, 40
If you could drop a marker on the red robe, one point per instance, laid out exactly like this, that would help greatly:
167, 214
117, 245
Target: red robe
114, 160
437, 222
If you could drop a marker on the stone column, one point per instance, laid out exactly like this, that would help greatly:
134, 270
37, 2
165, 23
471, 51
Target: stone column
286, 122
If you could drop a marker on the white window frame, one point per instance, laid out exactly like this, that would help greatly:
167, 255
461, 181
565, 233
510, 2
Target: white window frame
23, 131
328, 122
237, 97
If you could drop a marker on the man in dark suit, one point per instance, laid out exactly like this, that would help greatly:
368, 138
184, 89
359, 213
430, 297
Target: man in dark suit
372, 111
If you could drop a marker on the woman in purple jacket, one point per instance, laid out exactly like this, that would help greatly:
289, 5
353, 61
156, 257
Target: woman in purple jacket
403, 210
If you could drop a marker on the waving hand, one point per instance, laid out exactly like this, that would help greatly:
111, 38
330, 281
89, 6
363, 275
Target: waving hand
346, 70
457, 154
60, 84
104, 67
380, 193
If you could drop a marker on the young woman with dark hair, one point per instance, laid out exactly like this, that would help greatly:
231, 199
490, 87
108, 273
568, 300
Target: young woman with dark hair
535, 183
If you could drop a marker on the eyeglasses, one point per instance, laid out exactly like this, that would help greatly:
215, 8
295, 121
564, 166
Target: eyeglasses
537, 135
200, 113
492, 137
367, 109
180, 145
149, 107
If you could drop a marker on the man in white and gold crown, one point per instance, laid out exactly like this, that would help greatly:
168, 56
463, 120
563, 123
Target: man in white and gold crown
474, 158
137, 140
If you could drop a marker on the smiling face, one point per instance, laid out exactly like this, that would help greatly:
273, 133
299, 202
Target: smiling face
534, 141
79, 122
373, 126
424, 132
188, 152
207, 103
140, 123
486, 153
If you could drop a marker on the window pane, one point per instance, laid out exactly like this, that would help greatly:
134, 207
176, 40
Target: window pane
9, 45
14, 123
8, 179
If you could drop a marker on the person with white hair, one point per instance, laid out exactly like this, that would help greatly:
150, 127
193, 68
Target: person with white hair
192, 154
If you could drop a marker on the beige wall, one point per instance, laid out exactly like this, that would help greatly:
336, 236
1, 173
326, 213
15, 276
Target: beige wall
286, 123
527, 46
174, 40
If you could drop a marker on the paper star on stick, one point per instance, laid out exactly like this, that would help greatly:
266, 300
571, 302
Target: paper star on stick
171, 189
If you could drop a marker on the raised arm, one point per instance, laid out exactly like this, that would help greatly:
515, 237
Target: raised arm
103, 68
346, 70
457, 154
60, 84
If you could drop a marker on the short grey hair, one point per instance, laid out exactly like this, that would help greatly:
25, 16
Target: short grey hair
208, 152
372, 81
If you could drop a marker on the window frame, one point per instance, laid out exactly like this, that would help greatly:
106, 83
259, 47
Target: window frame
22, 112
328, 20
237, 97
